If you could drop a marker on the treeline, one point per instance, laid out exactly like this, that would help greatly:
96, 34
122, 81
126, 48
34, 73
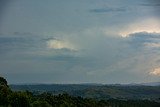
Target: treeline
9, 98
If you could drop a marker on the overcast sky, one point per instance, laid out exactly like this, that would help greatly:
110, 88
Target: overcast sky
80, 41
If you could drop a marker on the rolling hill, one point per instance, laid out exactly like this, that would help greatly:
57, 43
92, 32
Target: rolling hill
97, 91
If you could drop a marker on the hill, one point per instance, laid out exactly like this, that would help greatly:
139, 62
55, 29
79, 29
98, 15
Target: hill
97, 91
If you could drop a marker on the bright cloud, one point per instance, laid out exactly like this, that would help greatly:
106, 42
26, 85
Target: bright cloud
150, 26
59, 44
155, 72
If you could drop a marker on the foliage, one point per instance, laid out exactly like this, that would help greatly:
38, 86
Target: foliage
3, 82
4, 91
19, 99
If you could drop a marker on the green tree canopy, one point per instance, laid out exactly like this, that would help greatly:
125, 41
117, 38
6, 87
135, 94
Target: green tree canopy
3, 81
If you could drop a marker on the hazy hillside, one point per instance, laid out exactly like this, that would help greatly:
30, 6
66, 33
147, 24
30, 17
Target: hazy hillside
97, 91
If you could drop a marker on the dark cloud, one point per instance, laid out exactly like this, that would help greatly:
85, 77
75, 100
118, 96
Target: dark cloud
107, 9
3, 4
150, 4
19, 43
28, 46
158, 61
144, 35
154, 1
14, 42
15, 39
140, 39
50, 38
156, 5
3, 8
64, 58
23, 33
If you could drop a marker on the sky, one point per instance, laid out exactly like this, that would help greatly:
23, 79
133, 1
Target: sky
80, 41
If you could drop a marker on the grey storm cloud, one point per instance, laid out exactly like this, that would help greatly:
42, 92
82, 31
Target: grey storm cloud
29, 46
155, 4
3, 5
151, 4
8, 44
108, 9
146, 45
96, 59
144, 37
18, 41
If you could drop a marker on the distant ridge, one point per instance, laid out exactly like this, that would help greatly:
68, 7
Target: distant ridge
149, 91
151, 84
137, 84
95, 84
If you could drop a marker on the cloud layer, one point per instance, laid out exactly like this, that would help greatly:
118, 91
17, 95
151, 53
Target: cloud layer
108, 9
69, 42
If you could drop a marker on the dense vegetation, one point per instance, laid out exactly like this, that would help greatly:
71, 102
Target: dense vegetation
9, 98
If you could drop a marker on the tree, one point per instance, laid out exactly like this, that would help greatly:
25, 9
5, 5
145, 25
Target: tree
19, 99
4, 92
40, 103
3, 82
